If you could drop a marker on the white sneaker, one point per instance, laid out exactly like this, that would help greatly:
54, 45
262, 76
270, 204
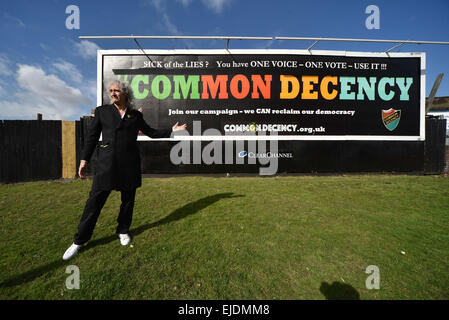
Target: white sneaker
125, 239
71, 251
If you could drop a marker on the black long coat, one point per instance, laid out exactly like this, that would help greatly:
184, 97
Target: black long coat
118, 165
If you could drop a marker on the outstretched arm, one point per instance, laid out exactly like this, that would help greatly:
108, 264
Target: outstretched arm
155, 133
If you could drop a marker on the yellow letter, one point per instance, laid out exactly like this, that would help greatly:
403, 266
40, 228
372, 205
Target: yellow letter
324, 87
285, 80
307, 87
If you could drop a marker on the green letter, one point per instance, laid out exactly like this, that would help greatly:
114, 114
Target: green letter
369, 89
192, 81
166, 87
381, 88
345, 87
135, 86
404, 87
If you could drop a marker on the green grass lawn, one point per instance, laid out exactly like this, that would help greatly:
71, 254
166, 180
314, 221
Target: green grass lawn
302, 237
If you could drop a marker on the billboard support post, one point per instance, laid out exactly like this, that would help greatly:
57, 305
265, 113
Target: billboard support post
433, 92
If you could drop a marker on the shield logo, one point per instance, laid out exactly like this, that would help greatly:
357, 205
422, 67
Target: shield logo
390, 118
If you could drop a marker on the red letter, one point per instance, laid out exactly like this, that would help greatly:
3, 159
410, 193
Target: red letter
264, 87
208, 82
234, 86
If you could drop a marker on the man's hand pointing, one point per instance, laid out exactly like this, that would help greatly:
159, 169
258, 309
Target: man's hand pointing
177, 127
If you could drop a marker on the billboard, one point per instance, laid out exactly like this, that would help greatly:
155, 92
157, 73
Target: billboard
274, 94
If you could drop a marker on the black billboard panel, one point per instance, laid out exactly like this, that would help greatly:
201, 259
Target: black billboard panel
274, 94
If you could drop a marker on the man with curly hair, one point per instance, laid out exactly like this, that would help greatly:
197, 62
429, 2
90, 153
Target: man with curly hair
118, 165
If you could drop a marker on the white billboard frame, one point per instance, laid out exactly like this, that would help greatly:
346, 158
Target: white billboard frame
421, 55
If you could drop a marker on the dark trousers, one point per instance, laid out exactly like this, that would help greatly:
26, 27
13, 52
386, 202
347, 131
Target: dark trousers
96, 201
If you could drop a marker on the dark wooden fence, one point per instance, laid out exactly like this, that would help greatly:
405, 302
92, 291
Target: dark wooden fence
32, 150
435, 145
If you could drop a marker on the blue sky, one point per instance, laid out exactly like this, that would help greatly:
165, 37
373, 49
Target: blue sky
45, 68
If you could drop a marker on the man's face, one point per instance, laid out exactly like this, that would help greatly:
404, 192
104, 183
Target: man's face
116, 95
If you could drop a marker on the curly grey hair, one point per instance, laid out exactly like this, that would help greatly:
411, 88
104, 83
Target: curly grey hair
126, 89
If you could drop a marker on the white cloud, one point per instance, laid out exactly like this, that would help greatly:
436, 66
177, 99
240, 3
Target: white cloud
44, 46
170, 26
87, 49
16, 20
43, 93
4, 66
157, 4
167, 24
68, 70
214, 5
6, 88
89, 89
185, 3
38, 82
